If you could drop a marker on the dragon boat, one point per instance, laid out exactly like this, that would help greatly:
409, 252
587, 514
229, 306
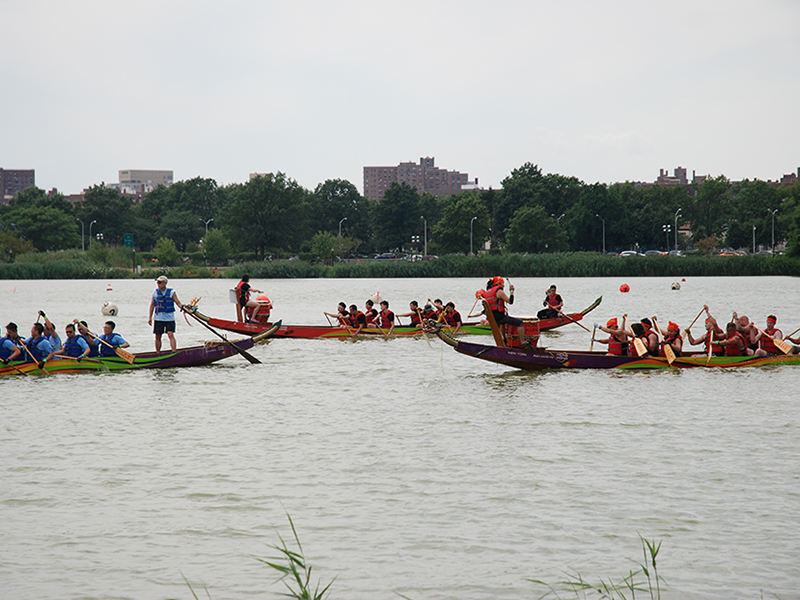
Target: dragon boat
193, 356
518, 347
335, 331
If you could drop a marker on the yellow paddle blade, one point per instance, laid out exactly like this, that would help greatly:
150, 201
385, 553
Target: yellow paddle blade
638, 344
670, 353
125, 355
782, 346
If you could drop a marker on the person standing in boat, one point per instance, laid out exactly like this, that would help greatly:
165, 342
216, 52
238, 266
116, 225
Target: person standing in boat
552, 304
497, 300
162, 303
386, 317
243, 290
9, 344
110, 338
767, 346
75, 346
452, 317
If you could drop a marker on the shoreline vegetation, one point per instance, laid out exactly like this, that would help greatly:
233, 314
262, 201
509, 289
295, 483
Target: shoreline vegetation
77, 265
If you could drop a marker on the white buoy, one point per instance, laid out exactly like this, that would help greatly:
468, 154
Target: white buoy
110, 309
675, 285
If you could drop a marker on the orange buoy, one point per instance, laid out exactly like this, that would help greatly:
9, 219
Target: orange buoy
683, 278
624, 288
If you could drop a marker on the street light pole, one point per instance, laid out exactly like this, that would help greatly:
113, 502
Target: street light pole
206, 222
773, 230
677, 212
426, 235
754, 239
90, 231
340, 226
666, 229
470, 235
604, 231
558, 219
83, 244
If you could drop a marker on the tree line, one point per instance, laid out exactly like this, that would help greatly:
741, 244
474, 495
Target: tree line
272, 215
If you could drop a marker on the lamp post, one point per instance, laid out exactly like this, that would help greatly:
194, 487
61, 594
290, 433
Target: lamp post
426, 235
340, 226
90, 230
754, 239
558, 218
773, 230
666, 229
604, 231
83, 244
470, 234
206, 222
677, 213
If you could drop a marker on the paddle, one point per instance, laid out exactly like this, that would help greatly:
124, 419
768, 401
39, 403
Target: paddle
782, 346
670, 353
17, 369
251, 359
33, 358
573, 320
710, 344
121, 352
695, 319
639, 346
791, 334
591, 346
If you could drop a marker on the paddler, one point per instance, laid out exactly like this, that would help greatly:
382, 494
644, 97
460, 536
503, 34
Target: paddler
497, 299
10, 348
672, 337
371, 313
735, 343
50, 332
552, 304
767, 346
112, 339
618, 340
243, 290
748, 331
711, 330
650, 337
163, 302
38, 349
75, 345
386, 317
452, 317
341, 314
357, 319
83, 329
415, 314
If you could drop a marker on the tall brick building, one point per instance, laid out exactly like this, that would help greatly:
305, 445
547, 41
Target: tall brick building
425, 176
13, 181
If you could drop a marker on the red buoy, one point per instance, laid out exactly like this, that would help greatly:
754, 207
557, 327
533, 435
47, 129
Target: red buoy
624, 288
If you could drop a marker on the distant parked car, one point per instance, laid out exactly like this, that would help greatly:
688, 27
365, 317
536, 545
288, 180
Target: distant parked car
654, 253
386, 256
629, 253
676, 253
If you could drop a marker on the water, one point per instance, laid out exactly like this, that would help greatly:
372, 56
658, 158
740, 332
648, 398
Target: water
405, 466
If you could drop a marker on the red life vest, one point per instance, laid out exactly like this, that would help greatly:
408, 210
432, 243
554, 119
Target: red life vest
733, 350
669, 341
415, 320
354, 319
371, 315
495, 304
387, 318
616, 347
553, 301
767, 344
243, 295
452, 319
718, 351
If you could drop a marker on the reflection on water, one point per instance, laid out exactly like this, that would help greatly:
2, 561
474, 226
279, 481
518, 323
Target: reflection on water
405, 465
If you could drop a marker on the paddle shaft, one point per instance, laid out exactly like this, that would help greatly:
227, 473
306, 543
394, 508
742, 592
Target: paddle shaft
33, 358
573, 320
779, 343
251, 359
668, 351
695, 319
591, 346
121, 352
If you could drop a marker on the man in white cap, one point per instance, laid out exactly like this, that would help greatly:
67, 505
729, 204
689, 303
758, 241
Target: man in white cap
163, 304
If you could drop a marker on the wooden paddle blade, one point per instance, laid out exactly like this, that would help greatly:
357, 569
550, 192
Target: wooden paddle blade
124, 354
638, 344
670, 353
782, 346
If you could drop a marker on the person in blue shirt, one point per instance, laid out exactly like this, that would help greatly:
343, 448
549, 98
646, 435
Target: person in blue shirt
37, 348
75, 346
111, 339
9, 344
83, 329
50, 332
163, 305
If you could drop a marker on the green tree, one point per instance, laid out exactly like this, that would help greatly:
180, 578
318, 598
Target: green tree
182, 227
112, 211
520, 189
11, 246
269, 211
533, 230
323, 245
216, 247
397, 217
45, 227
166, 252
452, 232
338, 199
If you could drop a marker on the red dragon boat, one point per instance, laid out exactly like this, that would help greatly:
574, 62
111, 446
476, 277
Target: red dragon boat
334, 331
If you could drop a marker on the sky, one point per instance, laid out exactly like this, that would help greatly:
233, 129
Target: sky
603, 91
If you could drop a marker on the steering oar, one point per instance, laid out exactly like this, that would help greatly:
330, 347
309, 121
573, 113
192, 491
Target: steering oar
250, 358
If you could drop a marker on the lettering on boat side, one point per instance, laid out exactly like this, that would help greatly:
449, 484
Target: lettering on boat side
562, 357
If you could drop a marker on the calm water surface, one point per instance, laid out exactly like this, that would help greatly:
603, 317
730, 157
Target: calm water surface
405, 466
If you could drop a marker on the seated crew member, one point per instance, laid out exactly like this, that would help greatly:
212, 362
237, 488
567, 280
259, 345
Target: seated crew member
415, 313
357, 320
766, 344
735, 343
386, 317
114, 340
650, 338
452, 317
83, 329
552, 303
709, 337
428, 312
618, 338
748, 331
341, 314
438, 309
371, 313
672, 337
794, 340
38, 348
50, 332
243, 290
10, 348
75, 345
497, 299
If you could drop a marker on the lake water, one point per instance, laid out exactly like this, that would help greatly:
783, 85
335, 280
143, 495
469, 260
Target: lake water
405, 466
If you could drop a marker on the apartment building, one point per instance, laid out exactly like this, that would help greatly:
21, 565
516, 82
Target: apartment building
425, 176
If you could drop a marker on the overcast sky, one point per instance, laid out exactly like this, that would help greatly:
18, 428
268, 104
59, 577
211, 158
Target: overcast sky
600, 90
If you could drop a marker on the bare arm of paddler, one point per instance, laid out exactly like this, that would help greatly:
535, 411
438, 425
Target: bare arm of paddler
509, 298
